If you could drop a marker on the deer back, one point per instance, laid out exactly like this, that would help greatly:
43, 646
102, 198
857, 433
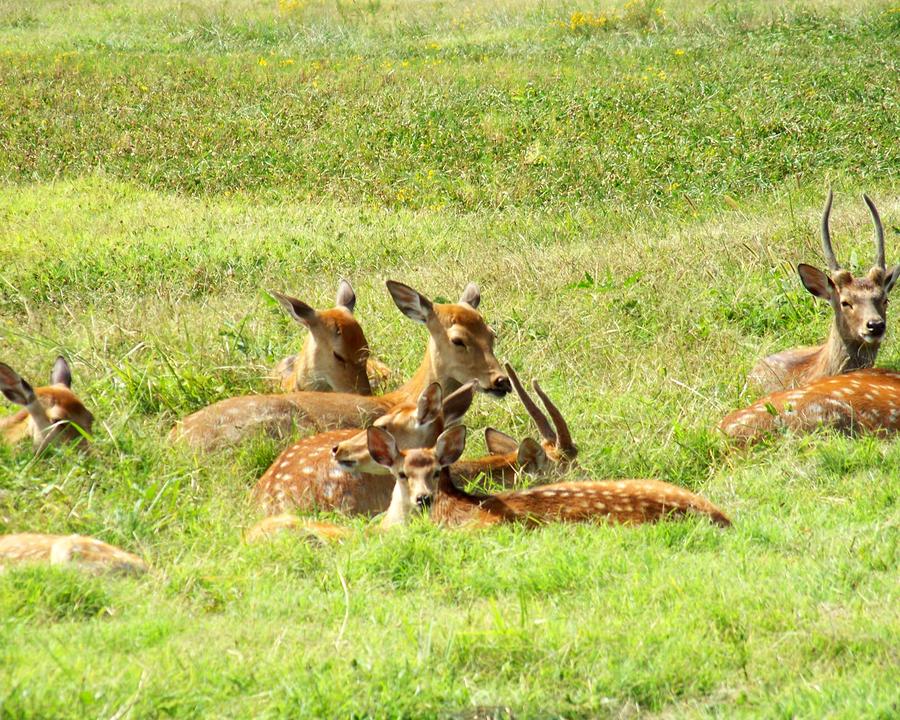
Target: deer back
858, 401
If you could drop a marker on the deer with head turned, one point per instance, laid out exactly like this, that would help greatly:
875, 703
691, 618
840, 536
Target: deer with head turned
460, 349
83, 552
49, 414
306, 476
862, 401
335, 355
423, 482
860, 321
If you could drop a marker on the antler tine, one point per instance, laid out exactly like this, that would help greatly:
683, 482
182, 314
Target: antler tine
879, 233
543, 424
565, 443
826, 234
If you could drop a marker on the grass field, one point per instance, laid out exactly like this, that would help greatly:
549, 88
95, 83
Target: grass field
629, 183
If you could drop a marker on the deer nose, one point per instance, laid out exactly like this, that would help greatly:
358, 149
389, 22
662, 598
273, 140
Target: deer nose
502, 385
876, 327
424, 501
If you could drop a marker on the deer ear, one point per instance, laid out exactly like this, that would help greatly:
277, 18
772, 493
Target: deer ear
429, 406
499, 443
531, 455
345, 296
411, 303
450, 445
61, 373
382, 447
817, 282
890, 278
297, 309
13, 387
458, 403
471, 296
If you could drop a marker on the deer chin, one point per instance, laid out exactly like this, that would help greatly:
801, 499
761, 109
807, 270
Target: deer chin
872, 338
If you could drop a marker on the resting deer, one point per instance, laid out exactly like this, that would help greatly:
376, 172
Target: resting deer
460, 349
859, 325
423, 481
335, 355
307, 477
48, 413
334, 471
862, 401
83, 552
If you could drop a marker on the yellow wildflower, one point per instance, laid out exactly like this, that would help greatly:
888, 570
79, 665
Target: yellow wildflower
263, 62
679, 51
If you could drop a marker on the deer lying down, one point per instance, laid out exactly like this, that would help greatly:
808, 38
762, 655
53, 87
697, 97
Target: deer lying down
334, 471
335, 355
307, 477
862, 401
460, 349
80, 551
48, 413
423, 483
860, 320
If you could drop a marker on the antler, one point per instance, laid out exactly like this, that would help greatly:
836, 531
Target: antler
561, 437
543, 424
826, 234
879, 233
565, 444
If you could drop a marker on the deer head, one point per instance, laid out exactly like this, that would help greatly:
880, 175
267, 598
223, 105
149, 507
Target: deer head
335, 352
859, 304
461, 345
411, 426
50, 413
416, 471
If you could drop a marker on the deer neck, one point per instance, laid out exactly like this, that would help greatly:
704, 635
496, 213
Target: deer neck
838, 355
423, 377
398, 511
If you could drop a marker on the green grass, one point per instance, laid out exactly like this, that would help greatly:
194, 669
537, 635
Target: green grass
630, 198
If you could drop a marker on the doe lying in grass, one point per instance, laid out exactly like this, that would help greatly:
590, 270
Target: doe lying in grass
860, 319
48, 413
78, 550
307, 476
460, 349
423, 481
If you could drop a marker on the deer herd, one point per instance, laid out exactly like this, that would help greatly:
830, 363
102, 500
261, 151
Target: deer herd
399, 454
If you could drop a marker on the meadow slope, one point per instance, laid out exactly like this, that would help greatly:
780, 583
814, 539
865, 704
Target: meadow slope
631, 185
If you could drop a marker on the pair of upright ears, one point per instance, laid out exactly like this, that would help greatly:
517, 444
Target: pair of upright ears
419, 308
18, 390
432, 405
824, 286
528, 452
448, 448
305, 314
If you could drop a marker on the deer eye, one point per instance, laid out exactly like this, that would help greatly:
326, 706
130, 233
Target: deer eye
458, 342
845, 304
402, 475
339, 358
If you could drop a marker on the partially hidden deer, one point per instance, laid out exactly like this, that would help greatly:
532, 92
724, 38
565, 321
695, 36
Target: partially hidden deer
80, 551
49, 414
460, 348
306, 476
423, 483
859, 324
334, 471
335, 354
862, 401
